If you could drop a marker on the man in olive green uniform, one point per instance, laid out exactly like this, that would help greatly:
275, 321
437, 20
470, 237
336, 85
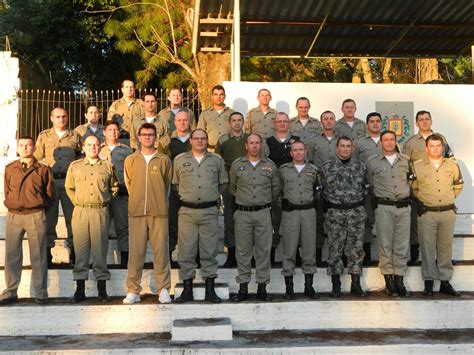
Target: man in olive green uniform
199, 177
438, 183
115, 152
92, 127
90, 184
215, 119
254, 183
175, 97
390, 175
299, 182
58, 147
349, 125
260, 119
303, 125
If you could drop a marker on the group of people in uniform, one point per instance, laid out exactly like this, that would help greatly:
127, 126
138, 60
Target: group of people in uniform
161, 176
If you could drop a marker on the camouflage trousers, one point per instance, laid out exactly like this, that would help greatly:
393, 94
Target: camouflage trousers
346, 230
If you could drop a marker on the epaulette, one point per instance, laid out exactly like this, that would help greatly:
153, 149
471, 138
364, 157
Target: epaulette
372, 157
419, 161
77, 161
215, 154
43, 132
223, 138
404, 155
180, 155
284, 165
314, 166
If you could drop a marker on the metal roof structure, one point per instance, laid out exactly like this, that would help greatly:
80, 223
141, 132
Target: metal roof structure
336, 28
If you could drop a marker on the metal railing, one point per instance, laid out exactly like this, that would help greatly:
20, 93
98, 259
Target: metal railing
35, 105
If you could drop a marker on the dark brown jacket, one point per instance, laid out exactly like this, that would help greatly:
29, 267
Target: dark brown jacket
28, 191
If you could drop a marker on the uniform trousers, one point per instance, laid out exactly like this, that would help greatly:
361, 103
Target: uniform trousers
119, 214
229, 209
370, 220
34, 225
173, 209
52, 214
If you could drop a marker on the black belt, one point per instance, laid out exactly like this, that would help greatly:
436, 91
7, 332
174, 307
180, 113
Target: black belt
288, 206
399, 203
439, 208
198, 205
253, 208
345, 206
59, 175
91, 205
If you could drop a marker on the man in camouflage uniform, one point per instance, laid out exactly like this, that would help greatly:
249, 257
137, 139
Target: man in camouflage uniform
390, 175
299, 182
344, 189
349, 125
260, 119
92, 127
303, 125
175, 97
438, 183
58, 147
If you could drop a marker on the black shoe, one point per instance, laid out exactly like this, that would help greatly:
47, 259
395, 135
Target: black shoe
356, 288
102, 290
414, 255
211, 292
187, 294
124, 259
390, 288
298, 261
290, 292
262, 293
400, 286
7, 301
231, 261
428, 291
336, 286
447, 289
319, 258
80, 294
308, 287
49, 257
368, 255
243, 293
41, 301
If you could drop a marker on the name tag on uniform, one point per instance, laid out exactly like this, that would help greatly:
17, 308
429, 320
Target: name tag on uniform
242, 168
267, 168
187, 164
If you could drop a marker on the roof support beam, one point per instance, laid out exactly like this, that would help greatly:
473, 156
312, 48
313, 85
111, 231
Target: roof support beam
235, 52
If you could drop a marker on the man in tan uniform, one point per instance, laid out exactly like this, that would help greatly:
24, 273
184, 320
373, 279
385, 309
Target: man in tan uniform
349, 125
90, 184
199, 177
303, 125
29, 191
254, 183
175, 97
58, 147
438, 183
148, 177
92, 127
215, 119
260, 119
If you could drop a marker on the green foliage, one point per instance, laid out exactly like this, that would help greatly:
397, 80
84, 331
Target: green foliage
455, 70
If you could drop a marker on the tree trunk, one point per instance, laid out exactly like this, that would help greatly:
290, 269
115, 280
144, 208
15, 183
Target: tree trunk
427, 70
214, 69
364, 62
356, 75
386, 70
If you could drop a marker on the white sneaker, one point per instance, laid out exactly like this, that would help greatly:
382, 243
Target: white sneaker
131, 298
164, 296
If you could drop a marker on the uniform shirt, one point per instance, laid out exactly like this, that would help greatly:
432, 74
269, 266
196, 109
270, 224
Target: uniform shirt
358, 130
278, 151
161, 130
320, 149
28, 191
415, 148
344, 183
147, 184
253, 186
390, 181
366, 148
177, 146
231, 147
437, 186
299, 188
199, 182
85, 131
312, 127
116, 157
215, 124
88, 183
167, 115
127, 112
57, 152
261, 123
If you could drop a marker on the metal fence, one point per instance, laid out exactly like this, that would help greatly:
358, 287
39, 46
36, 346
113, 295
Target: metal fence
35, 105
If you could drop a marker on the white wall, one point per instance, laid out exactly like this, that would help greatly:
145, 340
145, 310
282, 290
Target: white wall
451, 108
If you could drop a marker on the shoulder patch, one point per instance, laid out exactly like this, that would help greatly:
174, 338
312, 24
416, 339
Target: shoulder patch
404, 156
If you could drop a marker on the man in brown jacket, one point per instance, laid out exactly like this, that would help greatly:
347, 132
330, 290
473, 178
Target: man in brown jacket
147, 177
29, 191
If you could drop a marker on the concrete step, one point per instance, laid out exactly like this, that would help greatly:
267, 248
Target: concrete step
201, 329
61, 284
199, 290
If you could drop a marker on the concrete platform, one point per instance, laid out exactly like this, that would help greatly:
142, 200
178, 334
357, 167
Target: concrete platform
201, 329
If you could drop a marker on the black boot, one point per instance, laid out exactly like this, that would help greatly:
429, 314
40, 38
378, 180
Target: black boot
428, 288
290, 292
308, 287
390, 288
262, 293
231, 261
298, 261
124, 259
448, 289
272, 257
102, 290
414, 255
336, 286
49, 257
319, 258
356, 288
187, 294
243, 293
368, 255
211, 292
400, 286
80, 294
